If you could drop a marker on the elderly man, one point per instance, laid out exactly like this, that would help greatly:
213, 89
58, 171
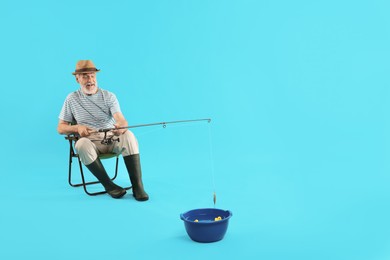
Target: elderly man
91, 108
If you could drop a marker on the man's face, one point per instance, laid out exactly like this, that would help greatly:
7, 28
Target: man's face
87, 82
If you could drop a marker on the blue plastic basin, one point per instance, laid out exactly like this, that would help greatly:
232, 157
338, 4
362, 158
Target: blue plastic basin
206, 229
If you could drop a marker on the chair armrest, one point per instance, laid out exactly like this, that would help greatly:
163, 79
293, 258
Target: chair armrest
72, 137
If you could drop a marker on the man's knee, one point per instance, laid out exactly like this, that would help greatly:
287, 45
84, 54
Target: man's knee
86, 150
82, 144
129, 144
130, 138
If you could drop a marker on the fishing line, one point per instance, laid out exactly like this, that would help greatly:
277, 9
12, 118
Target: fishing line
212, 165
211, 155
108, 140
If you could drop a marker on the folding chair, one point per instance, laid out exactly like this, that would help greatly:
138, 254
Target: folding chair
72, 154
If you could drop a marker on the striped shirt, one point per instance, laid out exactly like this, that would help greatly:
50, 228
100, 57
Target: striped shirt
95, 111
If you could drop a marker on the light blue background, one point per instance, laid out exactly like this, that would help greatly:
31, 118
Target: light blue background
298, 94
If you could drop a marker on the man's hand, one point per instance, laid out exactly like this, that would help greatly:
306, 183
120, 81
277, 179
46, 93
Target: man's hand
84, 130
119, 131
120, 122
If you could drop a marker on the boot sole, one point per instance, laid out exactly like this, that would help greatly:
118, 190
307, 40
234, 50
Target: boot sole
120, 195
141, 199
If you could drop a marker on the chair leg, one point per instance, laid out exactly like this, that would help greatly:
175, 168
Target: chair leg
81, 170
84, 183
116, 173
70, 170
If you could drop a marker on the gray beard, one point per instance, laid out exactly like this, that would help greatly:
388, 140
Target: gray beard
90, 91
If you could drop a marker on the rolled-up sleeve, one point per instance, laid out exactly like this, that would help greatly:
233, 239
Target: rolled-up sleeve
66, 111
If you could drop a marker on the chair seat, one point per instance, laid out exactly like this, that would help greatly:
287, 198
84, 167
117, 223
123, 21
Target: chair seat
107, 155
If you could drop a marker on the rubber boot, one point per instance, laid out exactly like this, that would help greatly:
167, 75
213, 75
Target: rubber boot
133, 165
100, 173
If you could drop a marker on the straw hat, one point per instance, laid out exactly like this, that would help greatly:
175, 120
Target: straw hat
85, 66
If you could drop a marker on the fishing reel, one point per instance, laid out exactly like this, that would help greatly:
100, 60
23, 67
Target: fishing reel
109, 140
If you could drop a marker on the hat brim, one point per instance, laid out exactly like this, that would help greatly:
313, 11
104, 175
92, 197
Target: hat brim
85, 72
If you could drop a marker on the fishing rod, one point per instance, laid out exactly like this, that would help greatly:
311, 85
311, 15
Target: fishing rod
104, 130
109, 140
